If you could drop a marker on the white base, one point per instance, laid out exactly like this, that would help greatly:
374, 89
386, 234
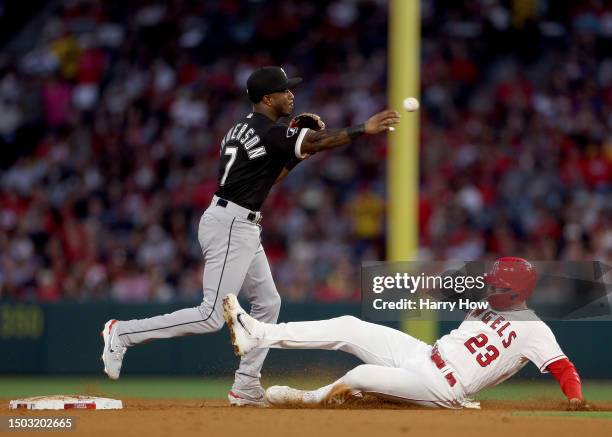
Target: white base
65, 402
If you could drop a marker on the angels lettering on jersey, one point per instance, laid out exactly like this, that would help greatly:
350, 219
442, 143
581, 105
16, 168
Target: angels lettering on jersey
490, 346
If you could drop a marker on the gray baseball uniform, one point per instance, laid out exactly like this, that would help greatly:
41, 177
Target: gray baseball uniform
253, 154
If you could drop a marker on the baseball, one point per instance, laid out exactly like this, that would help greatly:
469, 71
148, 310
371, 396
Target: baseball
411, 104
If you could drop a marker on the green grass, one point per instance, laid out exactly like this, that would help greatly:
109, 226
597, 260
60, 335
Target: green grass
589, 414
216, 388
520, 390
134, 387
168, 387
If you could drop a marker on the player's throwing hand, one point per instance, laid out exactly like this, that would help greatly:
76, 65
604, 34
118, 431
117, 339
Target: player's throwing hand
381, 121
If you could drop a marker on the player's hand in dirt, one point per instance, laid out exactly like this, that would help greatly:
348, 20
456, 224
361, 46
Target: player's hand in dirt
381, 121
576, 404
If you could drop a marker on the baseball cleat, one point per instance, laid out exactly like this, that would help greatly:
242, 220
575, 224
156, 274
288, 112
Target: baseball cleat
471, 404
240, 399
113, 352
282, 395
240, 326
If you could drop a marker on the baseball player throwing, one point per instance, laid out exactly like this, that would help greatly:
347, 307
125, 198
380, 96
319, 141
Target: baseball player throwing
486, 349
256, 152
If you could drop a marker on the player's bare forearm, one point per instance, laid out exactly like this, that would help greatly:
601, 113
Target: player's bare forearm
318, 141
326, 139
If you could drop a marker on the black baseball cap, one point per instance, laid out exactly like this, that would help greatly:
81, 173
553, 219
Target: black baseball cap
268, 80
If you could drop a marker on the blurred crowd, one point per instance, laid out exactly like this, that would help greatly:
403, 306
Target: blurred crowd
110, 127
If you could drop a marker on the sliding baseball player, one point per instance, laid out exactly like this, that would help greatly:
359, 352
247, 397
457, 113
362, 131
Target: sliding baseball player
489, 347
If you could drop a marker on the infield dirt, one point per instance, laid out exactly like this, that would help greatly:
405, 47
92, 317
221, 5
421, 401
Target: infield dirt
152, 418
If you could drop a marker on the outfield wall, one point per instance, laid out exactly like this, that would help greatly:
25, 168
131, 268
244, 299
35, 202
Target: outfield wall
64, 339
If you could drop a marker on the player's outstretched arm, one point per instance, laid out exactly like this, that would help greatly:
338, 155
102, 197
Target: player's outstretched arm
565, 373
318, 141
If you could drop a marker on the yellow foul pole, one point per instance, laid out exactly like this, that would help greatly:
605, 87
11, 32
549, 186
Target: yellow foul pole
403, 160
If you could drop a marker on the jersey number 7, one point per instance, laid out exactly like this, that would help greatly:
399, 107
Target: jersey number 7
232, 151
475, 344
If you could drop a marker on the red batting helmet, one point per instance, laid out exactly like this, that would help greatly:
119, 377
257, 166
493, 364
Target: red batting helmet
513, 280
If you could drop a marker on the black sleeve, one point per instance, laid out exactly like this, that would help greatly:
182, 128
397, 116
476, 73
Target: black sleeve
292, 162
286, 141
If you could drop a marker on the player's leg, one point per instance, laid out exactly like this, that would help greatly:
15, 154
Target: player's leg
419, 383
228, 245
372, 343
260, 290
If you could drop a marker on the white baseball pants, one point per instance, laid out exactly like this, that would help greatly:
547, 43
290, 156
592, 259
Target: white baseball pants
397, 365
